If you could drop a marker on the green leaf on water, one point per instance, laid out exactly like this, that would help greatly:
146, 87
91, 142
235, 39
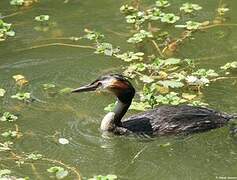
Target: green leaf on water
231, 65
65, 90
6, 146
22, 96
63, 141
107, 177
162, 3
2, 92
10, 33
17, 2
171, 83
171, 98
42, 18
189, 7
48, 86
188, 96
34, 156
126, 9
222, 10
4, 172
61, 174
170, 61
58, 171
190, 25
140, 36
198, 103
165, 145
54, 169
93, 35
7, 116
169, 18
5, 30
110, 107
139, 106
107, 49
146, 79
10, 133
205, 73
130, 56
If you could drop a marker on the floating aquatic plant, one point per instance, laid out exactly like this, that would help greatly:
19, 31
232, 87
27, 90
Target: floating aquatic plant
17, 2
162, 3
190, 25
58, 171
6, 146
228, 66
2, 92
169, 18
106, 49
42, 18
22, 96
63, 141
6, 174
34, 156
222, 10
20, 80
7, 116
107, 177
10, 133
131, 56
48, 86
189, 7
5, 30
140, 36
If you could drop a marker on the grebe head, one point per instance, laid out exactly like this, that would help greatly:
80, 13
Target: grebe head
121, 88
115, 83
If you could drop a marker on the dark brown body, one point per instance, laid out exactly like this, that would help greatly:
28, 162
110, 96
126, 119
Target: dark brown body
165, 120
181, 119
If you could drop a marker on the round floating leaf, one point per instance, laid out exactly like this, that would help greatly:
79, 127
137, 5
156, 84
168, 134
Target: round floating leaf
42, 18
22, 96
2, 92
63, 141
7, 116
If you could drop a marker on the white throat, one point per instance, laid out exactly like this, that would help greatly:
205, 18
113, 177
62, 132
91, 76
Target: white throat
113, 119
107, 123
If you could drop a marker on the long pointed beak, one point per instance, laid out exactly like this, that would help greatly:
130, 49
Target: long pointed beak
86, 88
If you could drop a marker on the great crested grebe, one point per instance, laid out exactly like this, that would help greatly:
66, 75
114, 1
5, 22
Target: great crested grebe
164, 120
